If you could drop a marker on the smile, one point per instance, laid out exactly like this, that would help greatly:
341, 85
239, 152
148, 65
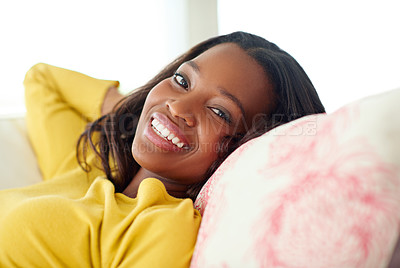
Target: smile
164, 132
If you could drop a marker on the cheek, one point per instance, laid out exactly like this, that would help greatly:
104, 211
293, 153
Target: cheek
157, 96
209, 151
159, 92
210, 139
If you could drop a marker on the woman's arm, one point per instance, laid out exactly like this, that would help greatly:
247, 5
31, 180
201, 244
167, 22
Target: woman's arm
80, 92
111, 98
59, 104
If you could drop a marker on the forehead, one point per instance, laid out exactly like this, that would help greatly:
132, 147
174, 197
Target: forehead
229, 67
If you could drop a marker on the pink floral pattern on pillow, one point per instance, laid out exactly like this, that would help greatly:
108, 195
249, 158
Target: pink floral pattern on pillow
205, 193
335, 198
214, 210
311, 193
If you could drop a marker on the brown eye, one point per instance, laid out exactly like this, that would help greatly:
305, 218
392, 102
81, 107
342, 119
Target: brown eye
222, 114
181, 81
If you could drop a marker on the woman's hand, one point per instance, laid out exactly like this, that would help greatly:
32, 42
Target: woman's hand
111, 98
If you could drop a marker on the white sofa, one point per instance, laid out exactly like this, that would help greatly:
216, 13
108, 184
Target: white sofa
322, 191
17, 160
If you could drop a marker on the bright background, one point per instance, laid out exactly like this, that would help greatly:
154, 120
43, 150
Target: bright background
349, 48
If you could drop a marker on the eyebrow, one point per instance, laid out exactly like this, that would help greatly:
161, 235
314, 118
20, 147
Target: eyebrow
222, 91
194, 65
233, 98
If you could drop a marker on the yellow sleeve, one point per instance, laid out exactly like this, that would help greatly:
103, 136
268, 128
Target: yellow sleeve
83, 93
59, 104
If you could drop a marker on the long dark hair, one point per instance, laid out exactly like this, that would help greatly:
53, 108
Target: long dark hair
111, 136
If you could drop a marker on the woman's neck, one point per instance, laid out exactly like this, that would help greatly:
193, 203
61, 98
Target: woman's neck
173, 188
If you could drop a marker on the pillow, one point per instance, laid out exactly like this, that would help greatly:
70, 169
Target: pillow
321, 191
18, 163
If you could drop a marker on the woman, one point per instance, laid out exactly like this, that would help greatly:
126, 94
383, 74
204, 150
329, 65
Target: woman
286, 94
154, 149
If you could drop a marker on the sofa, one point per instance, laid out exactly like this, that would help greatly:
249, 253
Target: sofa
320, 191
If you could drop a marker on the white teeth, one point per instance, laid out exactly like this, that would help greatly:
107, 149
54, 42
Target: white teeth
170, 136
175, 140
155, 122
164, 132
160, 127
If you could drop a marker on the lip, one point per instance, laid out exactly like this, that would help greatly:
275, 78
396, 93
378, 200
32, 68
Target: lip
162, 142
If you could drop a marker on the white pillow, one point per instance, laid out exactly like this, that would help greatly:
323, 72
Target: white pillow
322, 191
18, 165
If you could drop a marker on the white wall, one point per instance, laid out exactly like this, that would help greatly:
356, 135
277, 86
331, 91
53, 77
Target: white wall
202, 22
349, 48
124, 40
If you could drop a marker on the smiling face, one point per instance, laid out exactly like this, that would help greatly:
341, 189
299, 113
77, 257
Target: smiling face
186, 117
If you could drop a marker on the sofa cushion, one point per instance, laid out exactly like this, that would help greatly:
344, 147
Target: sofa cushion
18, 163
321, 191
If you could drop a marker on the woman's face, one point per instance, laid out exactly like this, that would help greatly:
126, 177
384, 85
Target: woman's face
186, 116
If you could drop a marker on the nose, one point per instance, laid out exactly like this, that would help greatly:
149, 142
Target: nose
183, 110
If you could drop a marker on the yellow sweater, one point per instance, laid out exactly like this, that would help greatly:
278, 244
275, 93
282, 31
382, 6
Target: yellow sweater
74, 219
